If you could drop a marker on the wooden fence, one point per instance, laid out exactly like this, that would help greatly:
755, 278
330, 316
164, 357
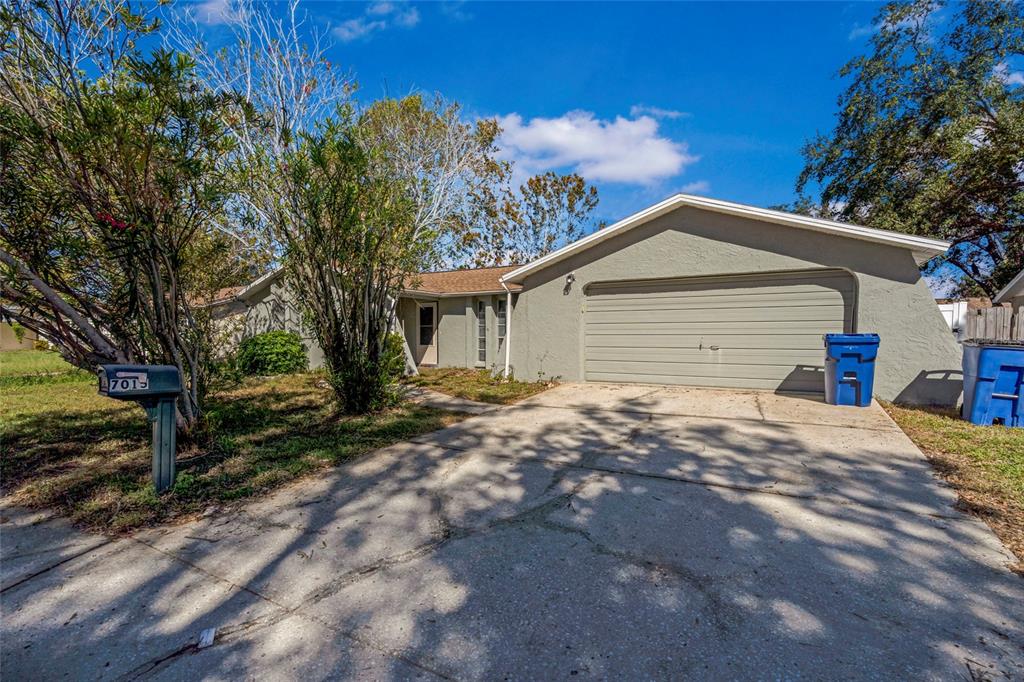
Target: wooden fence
994, 323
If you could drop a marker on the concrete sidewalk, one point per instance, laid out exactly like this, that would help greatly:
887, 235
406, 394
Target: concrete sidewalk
600, 531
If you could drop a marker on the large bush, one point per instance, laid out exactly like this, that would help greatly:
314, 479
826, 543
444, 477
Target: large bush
276, 352
366, 386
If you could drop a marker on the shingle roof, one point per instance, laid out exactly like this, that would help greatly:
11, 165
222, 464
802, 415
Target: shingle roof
477, 280
225, 295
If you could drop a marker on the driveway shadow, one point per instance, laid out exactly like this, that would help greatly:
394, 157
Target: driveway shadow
541, 542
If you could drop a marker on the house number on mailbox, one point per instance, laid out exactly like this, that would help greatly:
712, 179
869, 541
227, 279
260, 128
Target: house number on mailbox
129, 381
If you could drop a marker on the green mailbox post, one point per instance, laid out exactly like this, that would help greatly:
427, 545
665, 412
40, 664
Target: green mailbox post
156, 388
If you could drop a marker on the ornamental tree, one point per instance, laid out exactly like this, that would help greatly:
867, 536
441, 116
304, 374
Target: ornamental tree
110, 190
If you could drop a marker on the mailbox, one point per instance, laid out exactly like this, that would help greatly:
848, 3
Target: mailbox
132, 382
156, 388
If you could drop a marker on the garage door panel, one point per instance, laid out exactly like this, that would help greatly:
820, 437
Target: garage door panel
714, 328
804, 386
720, 304
776, 314
720, 283
681, 341
693, 369
729, 356
766, 329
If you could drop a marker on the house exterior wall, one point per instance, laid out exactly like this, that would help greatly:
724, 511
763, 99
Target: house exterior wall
407, 321
276, 309
457, 330
918, 362
451, 332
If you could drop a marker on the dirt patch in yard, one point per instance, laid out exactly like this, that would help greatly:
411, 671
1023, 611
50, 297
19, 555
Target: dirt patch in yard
984, 463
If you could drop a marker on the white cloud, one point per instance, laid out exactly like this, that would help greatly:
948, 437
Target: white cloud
377, 16
620, 150
861, 31
213, 12
381, 8
698, 187
1003, 73
657, 112
455, 10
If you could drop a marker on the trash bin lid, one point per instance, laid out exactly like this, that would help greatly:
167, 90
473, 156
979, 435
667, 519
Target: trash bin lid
852, 338
992, 343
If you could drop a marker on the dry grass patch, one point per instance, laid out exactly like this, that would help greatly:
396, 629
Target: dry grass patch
984, 463
477, 384
64, 447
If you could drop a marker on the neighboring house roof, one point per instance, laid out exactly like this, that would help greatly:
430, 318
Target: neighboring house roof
225, 295
443, 283
1012, 290
922, 248
461, 282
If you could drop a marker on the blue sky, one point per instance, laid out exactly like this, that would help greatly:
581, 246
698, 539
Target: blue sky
643, 99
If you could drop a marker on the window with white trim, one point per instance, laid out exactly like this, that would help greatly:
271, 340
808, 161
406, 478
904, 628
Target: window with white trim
481, 331
502, 320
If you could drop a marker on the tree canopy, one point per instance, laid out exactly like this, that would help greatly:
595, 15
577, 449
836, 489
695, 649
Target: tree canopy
110, 190
930, 137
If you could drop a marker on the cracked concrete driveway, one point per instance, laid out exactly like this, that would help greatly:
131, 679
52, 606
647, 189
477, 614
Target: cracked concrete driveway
595, 531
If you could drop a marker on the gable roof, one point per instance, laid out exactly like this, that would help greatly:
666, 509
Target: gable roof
469, 281
1012, 290
922, 248
441, 283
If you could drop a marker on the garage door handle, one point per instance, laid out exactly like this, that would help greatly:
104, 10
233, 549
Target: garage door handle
713, 347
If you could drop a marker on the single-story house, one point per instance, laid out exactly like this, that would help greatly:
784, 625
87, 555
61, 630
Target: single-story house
1013, 293
691, 291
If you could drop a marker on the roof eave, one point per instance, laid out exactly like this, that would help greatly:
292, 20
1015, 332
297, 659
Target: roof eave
256, 285
922, 248
1009, 290
452, 294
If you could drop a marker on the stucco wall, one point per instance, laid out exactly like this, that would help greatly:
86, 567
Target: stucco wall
919, 360
457, 332
276, 309
451, 332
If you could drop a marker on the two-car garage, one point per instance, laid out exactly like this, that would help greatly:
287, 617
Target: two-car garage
749, 331
701, 292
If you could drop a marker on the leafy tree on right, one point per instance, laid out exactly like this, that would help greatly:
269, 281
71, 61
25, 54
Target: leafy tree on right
930, 138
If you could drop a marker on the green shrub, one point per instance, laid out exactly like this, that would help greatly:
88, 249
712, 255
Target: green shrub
365, 386
276, 352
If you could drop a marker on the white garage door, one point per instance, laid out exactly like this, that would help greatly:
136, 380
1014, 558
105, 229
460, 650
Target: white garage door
751, 331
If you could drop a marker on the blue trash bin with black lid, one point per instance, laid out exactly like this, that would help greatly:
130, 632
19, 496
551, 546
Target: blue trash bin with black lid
850, 368
994, 382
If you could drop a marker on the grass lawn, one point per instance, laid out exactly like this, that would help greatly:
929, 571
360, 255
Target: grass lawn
984, 463
64, 447
476, 384
19, 367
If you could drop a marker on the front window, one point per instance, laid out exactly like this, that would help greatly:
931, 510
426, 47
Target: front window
502, 323
426, 325
481, 332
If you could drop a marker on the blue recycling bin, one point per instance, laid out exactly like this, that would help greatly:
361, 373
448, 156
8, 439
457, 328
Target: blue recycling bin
850, 368
994, 382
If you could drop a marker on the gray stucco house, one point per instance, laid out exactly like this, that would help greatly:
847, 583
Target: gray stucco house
691, 291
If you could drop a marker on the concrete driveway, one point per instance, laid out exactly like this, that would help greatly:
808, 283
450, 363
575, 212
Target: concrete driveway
592, 531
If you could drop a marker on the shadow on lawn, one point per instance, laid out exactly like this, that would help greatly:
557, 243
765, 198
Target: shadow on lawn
541, 543
94, 464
